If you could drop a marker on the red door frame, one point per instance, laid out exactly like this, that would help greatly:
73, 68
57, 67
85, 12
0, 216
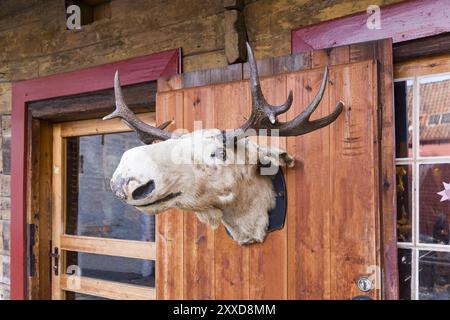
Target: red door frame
402, 21
132, 71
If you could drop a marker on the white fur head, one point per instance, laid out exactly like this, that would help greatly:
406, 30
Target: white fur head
197, 172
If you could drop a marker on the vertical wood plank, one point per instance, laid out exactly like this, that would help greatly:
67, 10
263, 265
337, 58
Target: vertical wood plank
231, 260
362, 51
309, 203
45, 207
268, 260
33, 208
58, 207
388, 193
339, 55
169, 225
198, 237
354, 179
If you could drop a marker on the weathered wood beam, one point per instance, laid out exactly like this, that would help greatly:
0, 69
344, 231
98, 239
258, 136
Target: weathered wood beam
139, 97
439, 44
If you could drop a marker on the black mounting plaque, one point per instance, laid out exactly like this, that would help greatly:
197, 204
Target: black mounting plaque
277, 216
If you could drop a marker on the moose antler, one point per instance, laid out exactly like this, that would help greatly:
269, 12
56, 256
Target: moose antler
264, 115
146, 132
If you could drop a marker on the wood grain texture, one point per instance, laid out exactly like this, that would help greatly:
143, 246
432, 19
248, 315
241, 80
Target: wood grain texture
110, 247
169, 225
305, 260
420, 48
33, 209
106, 289
422, 66
354, 180
45, 207
388, 224
199, 238
268, 277
308, 199
139, 97
58, 204
98, 126
381, 51
231, 260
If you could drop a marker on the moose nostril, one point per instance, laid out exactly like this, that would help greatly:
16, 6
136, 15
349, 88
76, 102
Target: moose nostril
143, 191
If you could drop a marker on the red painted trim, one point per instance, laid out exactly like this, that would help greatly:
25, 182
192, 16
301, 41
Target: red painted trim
132, 71
402, 22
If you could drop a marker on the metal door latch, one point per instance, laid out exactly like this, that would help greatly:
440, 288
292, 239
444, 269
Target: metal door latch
364, 284
55, 256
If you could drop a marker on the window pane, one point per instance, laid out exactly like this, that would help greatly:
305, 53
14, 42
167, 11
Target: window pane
118, 269
404, 271
434, 275
92, 208
434, 213
403, 91
404, 202
434, 119
434, 102
445, 118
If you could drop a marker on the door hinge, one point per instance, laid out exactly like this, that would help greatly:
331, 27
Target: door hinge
54, 260
380, 122
31, 243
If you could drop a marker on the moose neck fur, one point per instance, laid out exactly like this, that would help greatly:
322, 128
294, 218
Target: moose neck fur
245, 215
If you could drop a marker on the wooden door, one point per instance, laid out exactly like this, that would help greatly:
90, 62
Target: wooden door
101, 248
331, 238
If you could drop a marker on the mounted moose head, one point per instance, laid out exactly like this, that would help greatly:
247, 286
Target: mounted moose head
205, 172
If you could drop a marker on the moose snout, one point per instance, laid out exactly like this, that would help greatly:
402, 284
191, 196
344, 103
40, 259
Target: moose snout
121, 188
143, 191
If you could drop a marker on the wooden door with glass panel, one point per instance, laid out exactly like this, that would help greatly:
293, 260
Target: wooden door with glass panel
101, 248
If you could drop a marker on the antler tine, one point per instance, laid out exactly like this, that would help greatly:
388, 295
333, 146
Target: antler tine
259, 103
301, 123
146, 132
263, 115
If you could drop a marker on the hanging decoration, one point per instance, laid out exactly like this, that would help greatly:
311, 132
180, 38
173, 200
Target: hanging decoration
445, 193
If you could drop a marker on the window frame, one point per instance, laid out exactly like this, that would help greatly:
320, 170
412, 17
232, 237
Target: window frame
415, 161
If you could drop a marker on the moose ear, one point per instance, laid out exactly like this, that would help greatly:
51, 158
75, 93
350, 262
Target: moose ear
275, 156
286, 159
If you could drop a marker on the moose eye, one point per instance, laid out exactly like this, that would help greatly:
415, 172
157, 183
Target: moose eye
219, 154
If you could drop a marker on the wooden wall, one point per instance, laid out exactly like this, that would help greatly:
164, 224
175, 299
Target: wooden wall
329, 239
34, 42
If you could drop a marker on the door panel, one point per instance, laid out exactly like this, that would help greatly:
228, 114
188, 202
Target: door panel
331, 235
105, 248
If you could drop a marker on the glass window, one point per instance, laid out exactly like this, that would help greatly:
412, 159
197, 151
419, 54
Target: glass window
434, 97
92, 209
445, 118
434, 119
404, 202
403, 118
118, 269
404, 273
422, 112
434, 213
434, 275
